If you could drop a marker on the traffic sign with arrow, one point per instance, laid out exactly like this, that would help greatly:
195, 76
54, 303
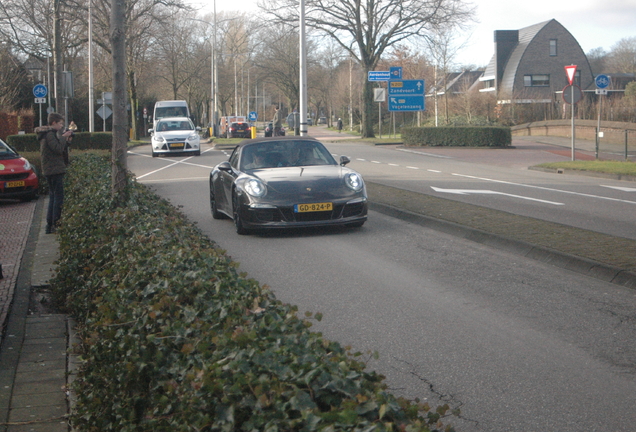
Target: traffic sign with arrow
406, 87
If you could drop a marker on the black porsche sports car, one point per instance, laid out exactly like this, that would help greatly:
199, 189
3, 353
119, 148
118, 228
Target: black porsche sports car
285, 182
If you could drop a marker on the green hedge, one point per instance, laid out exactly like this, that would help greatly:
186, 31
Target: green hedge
457, 136
175, 339
81, 141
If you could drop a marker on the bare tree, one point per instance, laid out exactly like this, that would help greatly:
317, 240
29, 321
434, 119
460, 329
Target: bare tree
13, 80
366, 29
622, 56
278, 60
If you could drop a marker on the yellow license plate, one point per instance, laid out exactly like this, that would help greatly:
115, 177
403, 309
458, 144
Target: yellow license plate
315, 207
177, 145
12, 184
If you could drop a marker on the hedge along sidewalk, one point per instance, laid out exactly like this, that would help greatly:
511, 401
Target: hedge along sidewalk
598, 255
81, 141
173, 338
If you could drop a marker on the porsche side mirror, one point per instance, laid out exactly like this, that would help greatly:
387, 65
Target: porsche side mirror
344, 160
225, 166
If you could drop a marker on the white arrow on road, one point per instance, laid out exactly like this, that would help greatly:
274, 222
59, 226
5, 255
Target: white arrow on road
489, 192
624, 189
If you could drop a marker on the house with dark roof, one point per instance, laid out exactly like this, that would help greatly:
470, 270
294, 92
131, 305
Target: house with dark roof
528, 64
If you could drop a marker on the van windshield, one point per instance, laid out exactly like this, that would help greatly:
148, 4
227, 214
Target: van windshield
161, 112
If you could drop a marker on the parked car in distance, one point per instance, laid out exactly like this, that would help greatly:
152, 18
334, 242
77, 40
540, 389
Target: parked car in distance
286, 182
310, 121
322, 120
175, 135
18, 178
239, 130
269, 130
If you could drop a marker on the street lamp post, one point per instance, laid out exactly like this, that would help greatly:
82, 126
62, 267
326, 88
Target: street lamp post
303, 72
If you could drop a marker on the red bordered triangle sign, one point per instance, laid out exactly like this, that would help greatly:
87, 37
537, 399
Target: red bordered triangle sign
570, 71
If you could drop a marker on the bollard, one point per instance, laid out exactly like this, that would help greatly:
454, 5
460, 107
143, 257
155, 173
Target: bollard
253, 129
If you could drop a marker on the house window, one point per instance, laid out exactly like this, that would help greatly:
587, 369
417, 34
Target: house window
536, 80
553, 47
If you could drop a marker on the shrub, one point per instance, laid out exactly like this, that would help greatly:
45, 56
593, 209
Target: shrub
173, 338
457, 136
81, 141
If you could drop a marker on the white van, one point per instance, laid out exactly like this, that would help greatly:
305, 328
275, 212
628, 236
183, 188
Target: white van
170, 108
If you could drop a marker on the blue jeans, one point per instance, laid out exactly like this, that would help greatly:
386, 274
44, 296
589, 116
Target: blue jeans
56, 198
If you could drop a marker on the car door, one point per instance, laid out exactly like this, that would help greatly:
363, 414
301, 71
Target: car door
226, 180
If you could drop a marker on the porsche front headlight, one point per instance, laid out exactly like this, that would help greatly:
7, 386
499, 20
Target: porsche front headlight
354, 181
255, 188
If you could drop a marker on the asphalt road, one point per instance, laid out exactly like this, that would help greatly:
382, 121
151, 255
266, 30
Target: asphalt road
516, 344
502, 183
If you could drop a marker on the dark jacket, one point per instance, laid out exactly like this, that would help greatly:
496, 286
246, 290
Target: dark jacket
54, 150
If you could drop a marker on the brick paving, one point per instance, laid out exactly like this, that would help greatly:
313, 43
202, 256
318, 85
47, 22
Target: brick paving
15, 222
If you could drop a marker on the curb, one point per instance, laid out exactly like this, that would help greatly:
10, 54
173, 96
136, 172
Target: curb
584, 266
584, 173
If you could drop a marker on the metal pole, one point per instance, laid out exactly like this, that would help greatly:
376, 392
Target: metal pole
598, 129
350, 93
380, 119
626, 139
573, 131
91, 96
216, 79
303, 72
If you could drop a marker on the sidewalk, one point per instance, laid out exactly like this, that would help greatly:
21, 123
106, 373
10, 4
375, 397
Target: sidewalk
33, 353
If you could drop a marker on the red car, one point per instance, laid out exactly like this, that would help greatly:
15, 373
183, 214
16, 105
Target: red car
18, 178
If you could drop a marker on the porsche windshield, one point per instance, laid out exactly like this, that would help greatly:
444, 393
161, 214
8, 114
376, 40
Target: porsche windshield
290, 153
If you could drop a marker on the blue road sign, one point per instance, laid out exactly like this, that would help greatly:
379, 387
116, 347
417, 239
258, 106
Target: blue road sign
406, 103
406, 87
379, 76
395, 72
602, 81
252, 116
40, 91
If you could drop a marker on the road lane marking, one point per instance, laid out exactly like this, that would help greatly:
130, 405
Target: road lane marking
546, 189
434, 171
412, 167
172, 180
624, 189
425, 154
489, 192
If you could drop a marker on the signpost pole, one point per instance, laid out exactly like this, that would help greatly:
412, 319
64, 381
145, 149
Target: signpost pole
573, 131
570, 72
380, 119
598, 129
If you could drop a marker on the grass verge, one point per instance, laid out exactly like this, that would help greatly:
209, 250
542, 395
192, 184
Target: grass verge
616, 251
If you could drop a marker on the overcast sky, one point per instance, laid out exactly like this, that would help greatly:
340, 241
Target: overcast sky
593, 23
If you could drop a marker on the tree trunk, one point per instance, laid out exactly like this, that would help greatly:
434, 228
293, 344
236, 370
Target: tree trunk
134, 105
367, 110
120, 116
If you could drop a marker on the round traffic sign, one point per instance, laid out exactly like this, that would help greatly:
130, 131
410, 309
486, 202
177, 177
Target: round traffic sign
572, 94
40, 91
252, 115
602, 81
